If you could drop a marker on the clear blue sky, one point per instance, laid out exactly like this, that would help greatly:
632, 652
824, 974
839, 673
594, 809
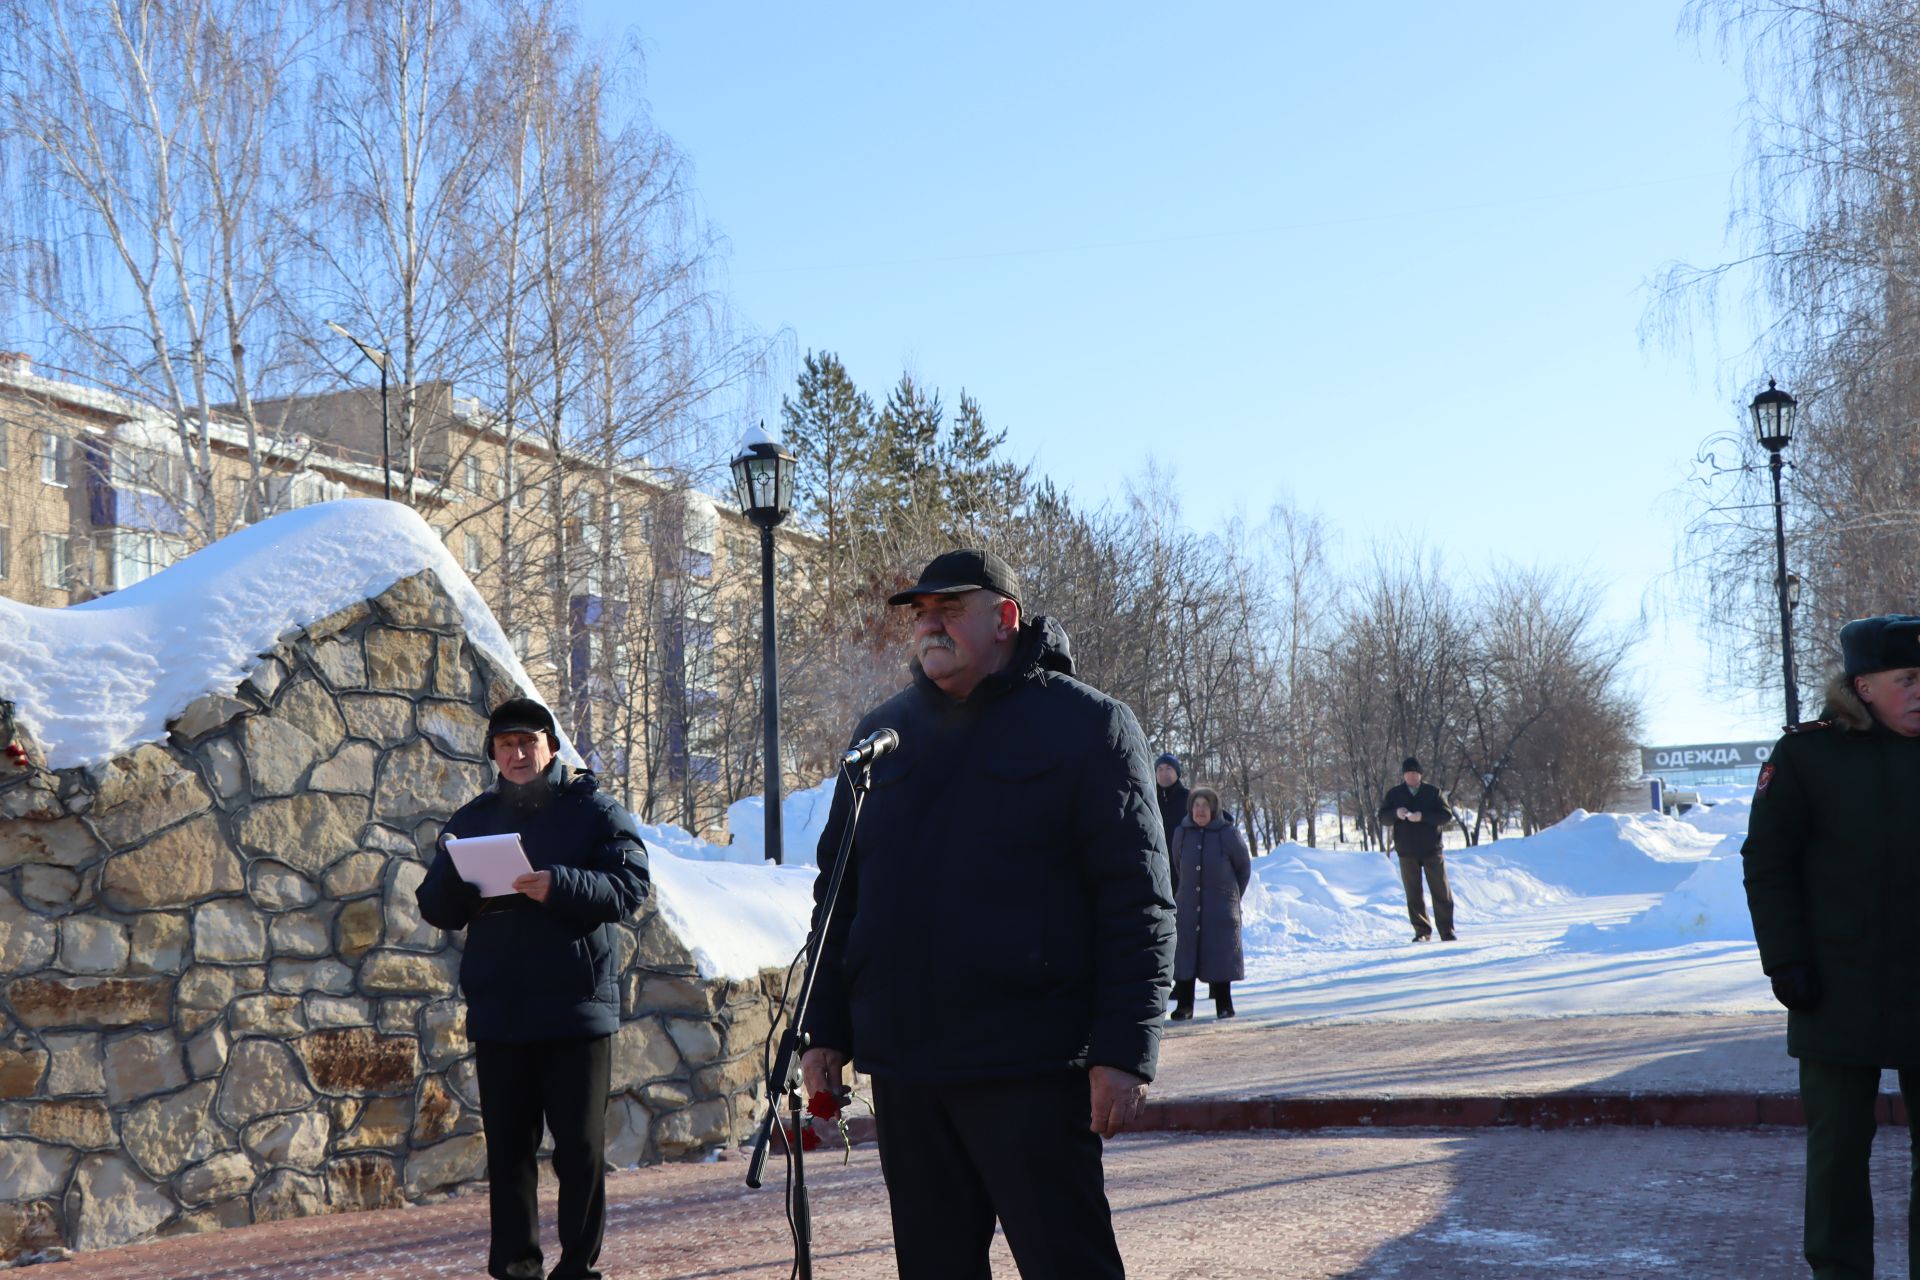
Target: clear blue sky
1387, 263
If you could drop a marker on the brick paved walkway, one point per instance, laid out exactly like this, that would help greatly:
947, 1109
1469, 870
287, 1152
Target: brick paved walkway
1330, 1204
1462, 1205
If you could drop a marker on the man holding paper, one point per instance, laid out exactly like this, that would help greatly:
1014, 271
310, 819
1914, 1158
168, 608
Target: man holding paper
538, 977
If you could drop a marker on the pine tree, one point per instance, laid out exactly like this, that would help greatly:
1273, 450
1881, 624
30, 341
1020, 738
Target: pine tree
984, 492
830, 429
907, 482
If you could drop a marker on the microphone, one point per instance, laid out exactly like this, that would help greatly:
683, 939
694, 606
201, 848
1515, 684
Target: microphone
870, 748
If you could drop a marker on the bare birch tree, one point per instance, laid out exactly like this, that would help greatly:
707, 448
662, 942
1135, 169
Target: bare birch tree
150, 145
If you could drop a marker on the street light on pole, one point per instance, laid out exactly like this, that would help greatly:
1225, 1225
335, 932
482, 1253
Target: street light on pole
763, 481
1773, 418
379, 359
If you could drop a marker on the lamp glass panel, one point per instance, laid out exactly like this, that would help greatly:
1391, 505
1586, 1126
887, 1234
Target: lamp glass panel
784, 487
764, 480
742, 484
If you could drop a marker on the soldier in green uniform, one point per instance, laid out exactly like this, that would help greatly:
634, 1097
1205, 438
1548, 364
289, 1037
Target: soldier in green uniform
1832, 863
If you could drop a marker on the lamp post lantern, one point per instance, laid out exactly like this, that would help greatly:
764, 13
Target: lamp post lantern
380, 360
1773, 421
763, 482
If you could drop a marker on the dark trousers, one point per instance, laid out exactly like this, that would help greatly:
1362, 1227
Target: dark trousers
958, 1156
1435, 865
1840, 1103
562, 1083
1218, 992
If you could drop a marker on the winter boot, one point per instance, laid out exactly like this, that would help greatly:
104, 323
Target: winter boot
1182, 1001
1222, 993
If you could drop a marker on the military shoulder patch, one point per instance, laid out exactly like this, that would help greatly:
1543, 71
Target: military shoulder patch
1766, 776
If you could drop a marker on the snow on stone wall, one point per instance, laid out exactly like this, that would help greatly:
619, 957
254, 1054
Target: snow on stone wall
218, 1004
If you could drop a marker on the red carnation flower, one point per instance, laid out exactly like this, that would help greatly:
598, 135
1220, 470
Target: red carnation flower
823, 1105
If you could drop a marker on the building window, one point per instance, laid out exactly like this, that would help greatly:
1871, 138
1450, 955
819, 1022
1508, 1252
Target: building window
154, 470
6, 553
4, 433
470, 475
522, 642
138, 556
56, 458
471, 559
56, 561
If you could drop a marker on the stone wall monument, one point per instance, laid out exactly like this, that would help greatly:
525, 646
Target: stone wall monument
218, 1004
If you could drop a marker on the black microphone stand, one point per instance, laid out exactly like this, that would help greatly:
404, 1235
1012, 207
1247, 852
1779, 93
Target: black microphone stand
785, 1076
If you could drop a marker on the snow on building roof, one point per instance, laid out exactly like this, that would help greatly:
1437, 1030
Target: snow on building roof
93, 681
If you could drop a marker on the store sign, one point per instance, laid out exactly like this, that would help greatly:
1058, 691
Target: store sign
1711, 755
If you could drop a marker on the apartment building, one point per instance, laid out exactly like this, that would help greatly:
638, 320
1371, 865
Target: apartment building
622, 592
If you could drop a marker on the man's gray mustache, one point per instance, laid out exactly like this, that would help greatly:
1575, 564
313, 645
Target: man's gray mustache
936, 642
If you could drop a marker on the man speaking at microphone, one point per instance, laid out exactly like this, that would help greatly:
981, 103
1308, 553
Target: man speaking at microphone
1002, 949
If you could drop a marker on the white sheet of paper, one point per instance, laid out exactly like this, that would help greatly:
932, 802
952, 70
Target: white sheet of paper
489, 863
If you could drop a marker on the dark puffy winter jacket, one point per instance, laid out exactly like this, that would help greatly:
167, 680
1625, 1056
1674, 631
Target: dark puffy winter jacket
543, 971
1007, 910
1415, 839
1833, 878
1173, 812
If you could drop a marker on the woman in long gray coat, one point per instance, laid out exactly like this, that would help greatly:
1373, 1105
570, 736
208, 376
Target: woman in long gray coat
1211, 868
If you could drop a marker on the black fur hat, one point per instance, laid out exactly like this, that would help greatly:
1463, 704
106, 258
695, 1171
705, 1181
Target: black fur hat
1886, 643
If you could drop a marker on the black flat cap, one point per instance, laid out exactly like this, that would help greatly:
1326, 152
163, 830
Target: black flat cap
1886, 643
521, 715
957, 571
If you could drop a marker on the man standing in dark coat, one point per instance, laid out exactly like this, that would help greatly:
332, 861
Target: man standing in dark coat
538, 976
1002, 950
1417, 811
1832, 876
1172, 794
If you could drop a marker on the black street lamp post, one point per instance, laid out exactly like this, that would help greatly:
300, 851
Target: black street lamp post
379, 359
763, 481
1773, 414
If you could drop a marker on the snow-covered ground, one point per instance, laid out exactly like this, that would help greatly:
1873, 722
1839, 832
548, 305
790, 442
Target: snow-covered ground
1601, 913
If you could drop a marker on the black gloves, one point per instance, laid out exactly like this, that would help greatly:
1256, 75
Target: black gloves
1796, 986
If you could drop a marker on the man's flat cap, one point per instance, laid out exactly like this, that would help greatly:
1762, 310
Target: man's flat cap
520, 715
958, 571
1886, 643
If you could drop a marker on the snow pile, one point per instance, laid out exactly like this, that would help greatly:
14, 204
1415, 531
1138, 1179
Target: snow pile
95, 680
1709, 905
735, 913
803, 816
1610, 853
734, 920
1723, 817
1306, 898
